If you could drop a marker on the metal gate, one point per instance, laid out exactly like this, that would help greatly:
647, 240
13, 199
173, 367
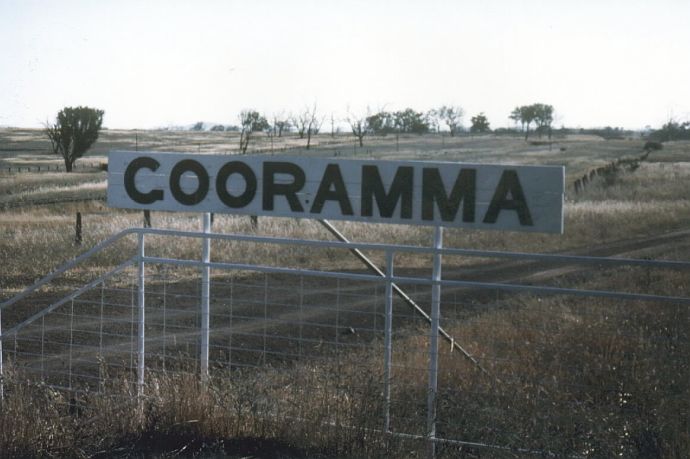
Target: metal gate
424, 348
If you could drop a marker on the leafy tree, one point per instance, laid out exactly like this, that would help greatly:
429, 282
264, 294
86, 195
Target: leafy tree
515, 115
411, 122
452, 116
524, 114
433, 117
199, 126
281, 125
250, 121
76, 129
480, 124
381, 123
218, 127
543, 117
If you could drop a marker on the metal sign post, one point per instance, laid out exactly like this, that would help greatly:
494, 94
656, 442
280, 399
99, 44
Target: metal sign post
388, 338
141, 333
205, 298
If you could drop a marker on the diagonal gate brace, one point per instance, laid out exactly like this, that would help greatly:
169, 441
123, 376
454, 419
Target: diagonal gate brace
401, 293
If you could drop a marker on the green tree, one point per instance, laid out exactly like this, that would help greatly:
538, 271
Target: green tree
543, 118
480, 124
281, 123
75, 130
381, 123
411, 122
250, 121
452, 116
525, 115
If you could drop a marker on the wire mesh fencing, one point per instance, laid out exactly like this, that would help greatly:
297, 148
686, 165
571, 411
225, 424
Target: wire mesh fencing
563, 364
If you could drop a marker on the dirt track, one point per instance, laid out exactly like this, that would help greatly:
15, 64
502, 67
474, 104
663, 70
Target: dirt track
532, 271
250, 327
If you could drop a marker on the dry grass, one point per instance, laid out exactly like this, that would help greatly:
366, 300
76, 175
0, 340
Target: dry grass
586, 377
590, 378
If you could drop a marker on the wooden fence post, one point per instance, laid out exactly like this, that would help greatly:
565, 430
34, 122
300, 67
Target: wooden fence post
77, 230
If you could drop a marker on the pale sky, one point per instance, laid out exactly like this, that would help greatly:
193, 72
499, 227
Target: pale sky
158, 63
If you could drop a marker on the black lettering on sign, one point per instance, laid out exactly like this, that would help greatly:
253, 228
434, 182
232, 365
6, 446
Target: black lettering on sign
189, 165
240, 168
137, 196
509, 185
433, 191
332, 178
289, 190
400, 190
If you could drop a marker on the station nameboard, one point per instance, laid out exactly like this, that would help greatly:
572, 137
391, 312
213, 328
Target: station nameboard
480, 196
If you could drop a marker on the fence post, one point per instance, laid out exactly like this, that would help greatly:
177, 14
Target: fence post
141, 319
433, 344
388, 338
2, 374
77, 230
205, 299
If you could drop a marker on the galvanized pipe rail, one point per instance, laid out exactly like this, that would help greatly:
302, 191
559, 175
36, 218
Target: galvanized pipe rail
205, 265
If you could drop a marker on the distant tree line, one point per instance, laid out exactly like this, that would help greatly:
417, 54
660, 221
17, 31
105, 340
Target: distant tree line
672, 130
307, 123
77, 128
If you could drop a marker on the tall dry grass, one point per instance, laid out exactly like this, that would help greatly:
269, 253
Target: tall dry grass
571, 377
566, 377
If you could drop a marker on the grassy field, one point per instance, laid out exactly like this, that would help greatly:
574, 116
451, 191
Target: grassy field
546, 351
40, 207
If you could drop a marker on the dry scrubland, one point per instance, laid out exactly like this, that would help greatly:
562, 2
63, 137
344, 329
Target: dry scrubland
630, 357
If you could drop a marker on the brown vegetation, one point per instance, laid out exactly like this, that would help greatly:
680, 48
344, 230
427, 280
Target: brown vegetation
593, 378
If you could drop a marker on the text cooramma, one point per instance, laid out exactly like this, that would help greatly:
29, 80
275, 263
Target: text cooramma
524, 198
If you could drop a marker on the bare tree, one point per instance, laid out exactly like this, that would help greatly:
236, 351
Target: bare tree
359, 129
281, 123
300, 124
359, 125
308, 123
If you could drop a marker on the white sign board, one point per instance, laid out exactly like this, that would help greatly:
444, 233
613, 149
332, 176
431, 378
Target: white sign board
481, 196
